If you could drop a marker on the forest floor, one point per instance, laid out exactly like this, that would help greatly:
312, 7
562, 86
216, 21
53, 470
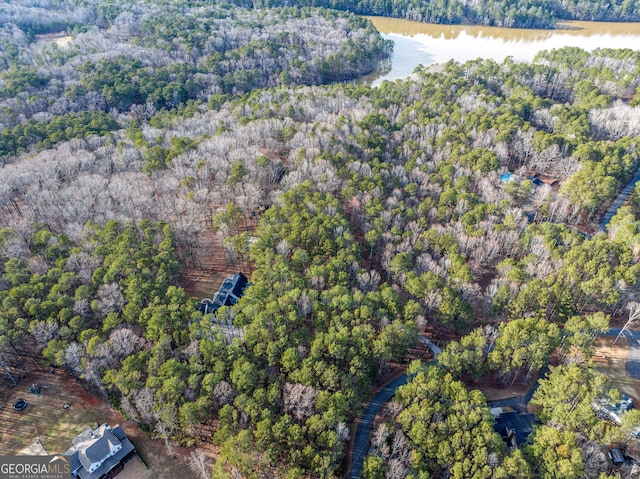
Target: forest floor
495, 392
611, 361
48, 424
210, 265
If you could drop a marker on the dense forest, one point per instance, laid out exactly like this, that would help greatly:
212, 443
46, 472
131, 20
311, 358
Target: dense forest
154, 57
368, 215
501, 13
45, 17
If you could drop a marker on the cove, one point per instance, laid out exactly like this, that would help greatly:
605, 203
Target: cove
424, 44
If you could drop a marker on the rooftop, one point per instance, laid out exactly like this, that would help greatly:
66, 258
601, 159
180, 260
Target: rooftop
104, 445
511, 424
610, 410
231, 289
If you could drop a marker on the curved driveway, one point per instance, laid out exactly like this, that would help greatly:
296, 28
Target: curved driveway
361, 440
618, 202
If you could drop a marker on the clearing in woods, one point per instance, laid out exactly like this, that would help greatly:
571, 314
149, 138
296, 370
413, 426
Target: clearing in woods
47, 420
611, 359
210, 263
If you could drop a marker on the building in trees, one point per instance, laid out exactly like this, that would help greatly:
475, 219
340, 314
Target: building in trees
611, 410
98, 453
514, 428
231, 290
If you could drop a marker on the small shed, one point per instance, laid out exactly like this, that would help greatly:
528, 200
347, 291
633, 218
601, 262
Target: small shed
616, 456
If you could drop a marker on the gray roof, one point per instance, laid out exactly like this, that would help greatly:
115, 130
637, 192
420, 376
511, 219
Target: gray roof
606, 409
231, 289
97, 449
94, 446
127, 449
118, 432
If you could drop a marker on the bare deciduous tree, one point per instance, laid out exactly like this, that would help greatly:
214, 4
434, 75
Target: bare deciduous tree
299, 400
73, 356
43, 332
342, 431
143, 400
110, 299
123, 342
128, 409
634, 314
198, 463
379, 440
223, 393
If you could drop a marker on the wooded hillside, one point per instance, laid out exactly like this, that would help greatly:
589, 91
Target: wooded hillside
464, 201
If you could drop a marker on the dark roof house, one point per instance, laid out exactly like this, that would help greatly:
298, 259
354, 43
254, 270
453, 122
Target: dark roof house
97, 454
231, 290
616, 456
514, 428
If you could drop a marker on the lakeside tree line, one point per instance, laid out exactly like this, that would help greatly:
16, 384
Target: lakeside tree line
499, 13
38, 17
380, 212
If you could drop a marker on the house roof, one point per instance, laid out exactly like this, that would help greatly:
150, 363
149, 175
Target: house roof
96, 450
90, 447
536, 181
234, 284
606, 409
521, 424
231, 289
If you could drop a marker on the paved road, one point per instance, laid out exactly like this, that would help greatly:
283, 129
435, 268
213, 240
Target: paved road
618, 201
434, 348
361, 441
633, 354
519, 403
631, 334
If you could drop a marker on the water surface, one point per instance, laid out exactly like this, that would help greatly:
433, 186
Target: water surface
418, 43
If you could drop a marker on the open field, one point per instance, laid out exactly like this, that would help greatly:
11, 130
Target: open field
46, 419
61, 39
609, 359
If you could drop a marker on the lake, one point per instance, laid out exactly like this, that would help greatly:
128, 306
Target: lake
418, 43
